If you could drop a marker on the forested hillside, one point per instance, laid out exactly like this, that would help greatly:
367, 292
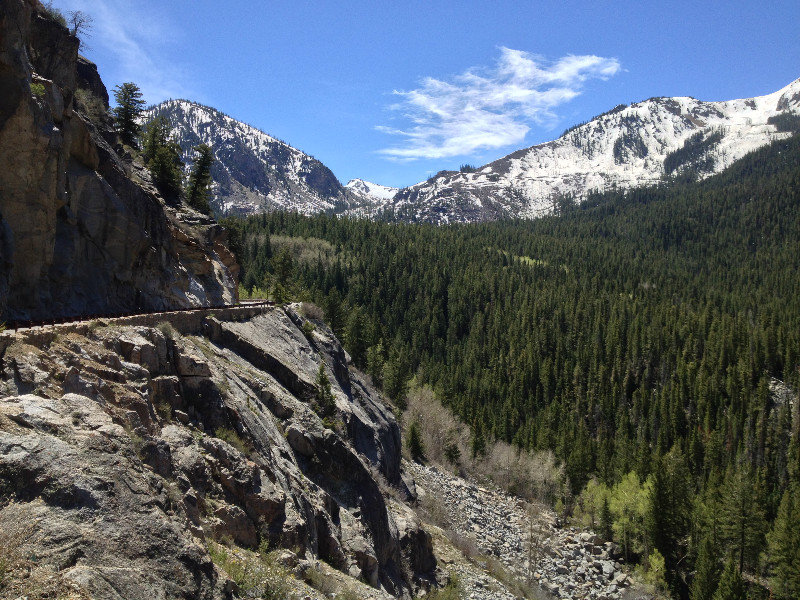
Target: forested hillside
651, 339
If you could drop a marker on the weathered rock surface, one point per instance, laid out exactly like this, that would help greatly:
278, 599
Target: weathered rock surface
82, 231
128, 450
563, 563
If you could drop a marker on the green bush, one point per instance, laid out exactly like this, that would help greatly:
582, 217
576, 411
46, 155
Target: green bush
37, 89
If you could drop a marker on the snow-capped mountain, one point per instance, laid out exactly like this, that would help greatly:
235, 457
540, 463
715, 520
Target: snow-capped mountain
625, 147
371, 191
253, 171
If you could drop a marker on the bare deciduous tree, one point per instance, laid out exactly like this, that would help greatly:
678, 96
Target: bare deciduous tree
80, 24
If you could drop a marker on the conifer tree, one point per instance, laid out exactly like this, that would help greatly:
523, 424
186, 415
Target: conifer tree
606, 520
478, 443
162, 155
416, 447
395, 377
198, 191
670, 503
743, 523
325, 402
130, 106
707, 571
731, 584
784, 547
354, 337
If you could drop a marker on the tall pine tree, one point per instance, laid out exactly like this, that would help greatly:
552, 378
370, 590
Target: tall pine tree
731, 584
707, 571
129, 108
198, 191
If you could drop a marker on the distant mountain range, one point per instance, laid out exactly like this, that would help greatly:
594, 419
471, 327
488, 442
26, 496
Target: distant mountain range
626, 147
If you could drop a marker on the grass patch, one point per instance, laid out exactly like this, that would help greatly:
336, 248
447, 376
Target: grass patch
233, 438
452, 591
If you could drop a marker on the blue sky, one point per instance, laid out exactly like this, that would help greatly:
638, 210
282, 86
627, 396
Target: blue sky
395, 91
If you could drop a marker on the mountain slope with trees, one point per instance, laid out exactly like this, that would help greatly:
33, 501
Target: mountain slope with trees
649, 338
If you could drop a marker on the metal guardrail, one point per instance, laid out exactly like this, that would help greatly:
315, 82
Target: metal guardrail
30, 324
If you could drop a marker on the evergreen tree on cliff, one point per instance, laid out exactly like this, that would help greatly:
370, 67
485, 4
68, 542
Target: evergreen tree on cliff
130, 106
199, 189
162, 155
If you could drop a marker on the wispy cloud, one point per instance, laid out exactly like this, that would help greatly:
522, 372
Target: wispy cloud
135, 46
486, 108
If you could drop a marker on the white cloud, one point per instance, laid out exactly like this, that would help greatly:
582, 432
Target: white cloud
489, 107
131, 43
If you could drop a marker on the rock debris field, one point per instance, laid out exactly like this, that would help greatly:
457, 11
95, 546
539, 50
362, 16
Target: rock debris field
566, 563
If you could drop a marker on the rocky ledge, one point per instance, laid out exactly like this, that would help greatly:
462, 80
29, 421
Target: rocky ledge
127, 453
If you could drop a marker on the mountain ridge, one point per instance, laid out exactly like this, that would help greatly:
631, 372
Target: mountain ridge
626, 146
253, 171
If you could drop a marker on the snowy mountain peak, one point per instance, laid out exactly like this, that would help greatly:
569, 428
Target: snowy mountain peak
253, 171
371, 190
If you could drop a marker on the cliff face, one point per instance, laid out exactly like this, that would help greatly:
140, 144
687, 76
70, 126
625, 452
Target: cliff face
81, 230
125, 450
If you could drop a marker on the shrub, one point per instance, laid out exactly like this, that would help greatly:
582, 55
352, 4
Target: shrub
53, 13
37, 89
256, 575
231, 437
320, 581
91, 105
452, 591
168, 330
308, 328
311, 311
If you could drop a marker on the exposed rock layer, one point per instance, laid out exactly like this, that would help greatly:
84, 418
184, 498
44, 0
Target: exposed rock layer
128, 448
83, 231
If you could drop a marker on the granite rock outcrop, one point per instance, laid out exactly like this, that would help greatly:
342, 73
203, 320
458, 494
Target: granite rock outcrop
129, 449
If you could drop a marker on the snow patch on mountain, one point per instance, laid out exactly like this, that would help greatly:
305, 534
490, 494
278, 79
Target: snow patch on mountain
626, 147
371, 190
253, 171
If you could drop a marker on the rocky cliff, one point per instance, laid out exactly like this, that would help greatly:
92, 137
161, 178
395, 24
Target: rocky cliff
82, 229
127, 451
